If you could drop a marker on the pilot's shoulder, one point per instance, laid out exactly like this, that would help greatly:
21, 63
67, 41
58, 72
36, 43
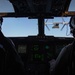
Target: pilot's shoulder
67, 48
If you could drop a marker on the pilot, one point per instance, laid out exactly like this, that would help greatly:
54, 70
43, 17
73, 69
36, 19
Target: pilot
65, 62
11, 61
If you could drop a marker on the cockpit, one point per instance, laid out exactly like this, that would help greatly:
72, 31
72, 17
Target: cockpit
39, 30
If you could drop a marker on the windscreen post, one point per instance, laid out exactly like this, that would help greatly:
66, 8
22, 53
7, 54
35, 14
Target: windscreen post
41, 27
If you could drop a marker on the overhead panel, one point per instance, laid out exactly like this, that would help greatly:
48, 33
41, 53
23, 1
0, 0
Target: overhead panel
39, 8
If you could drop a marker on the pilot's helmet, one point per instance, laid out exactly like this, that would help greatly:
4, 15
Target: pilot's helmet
72, 25
72, 22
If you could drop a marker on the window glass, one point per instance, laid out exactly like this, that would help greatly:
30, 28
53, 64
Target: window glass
22, 27
19, 27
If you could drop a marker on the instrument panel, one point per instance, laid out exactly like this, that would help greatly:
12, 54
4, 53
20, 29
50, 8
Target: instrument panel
40, 51
37, 52
40, 48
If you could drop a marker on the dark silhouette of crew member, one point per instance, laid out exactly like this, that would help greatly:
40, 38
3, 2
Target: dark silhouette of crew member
65, 62
10, 61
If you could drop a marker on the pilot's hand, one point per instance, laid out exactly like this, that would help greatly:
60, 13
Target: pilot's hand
52, 62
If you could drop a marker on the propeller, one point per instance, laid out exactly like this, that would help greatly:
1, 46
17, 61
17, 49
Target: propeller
64, 23
46, 25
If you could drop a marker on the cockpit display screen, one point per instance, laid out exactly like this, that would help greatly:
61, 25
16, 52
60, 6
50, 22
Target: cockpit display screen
22, 48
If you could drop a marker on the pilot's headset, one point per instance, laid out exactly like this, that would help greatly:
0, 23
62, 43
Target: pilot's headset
72, 25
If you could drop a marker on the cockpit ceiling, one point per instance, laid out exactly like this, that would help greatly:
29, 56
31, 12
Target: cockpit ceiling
37, 8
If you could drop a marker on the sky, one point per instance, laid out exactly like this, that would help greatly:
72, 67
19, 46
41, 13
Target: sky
23, 27
20, 27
